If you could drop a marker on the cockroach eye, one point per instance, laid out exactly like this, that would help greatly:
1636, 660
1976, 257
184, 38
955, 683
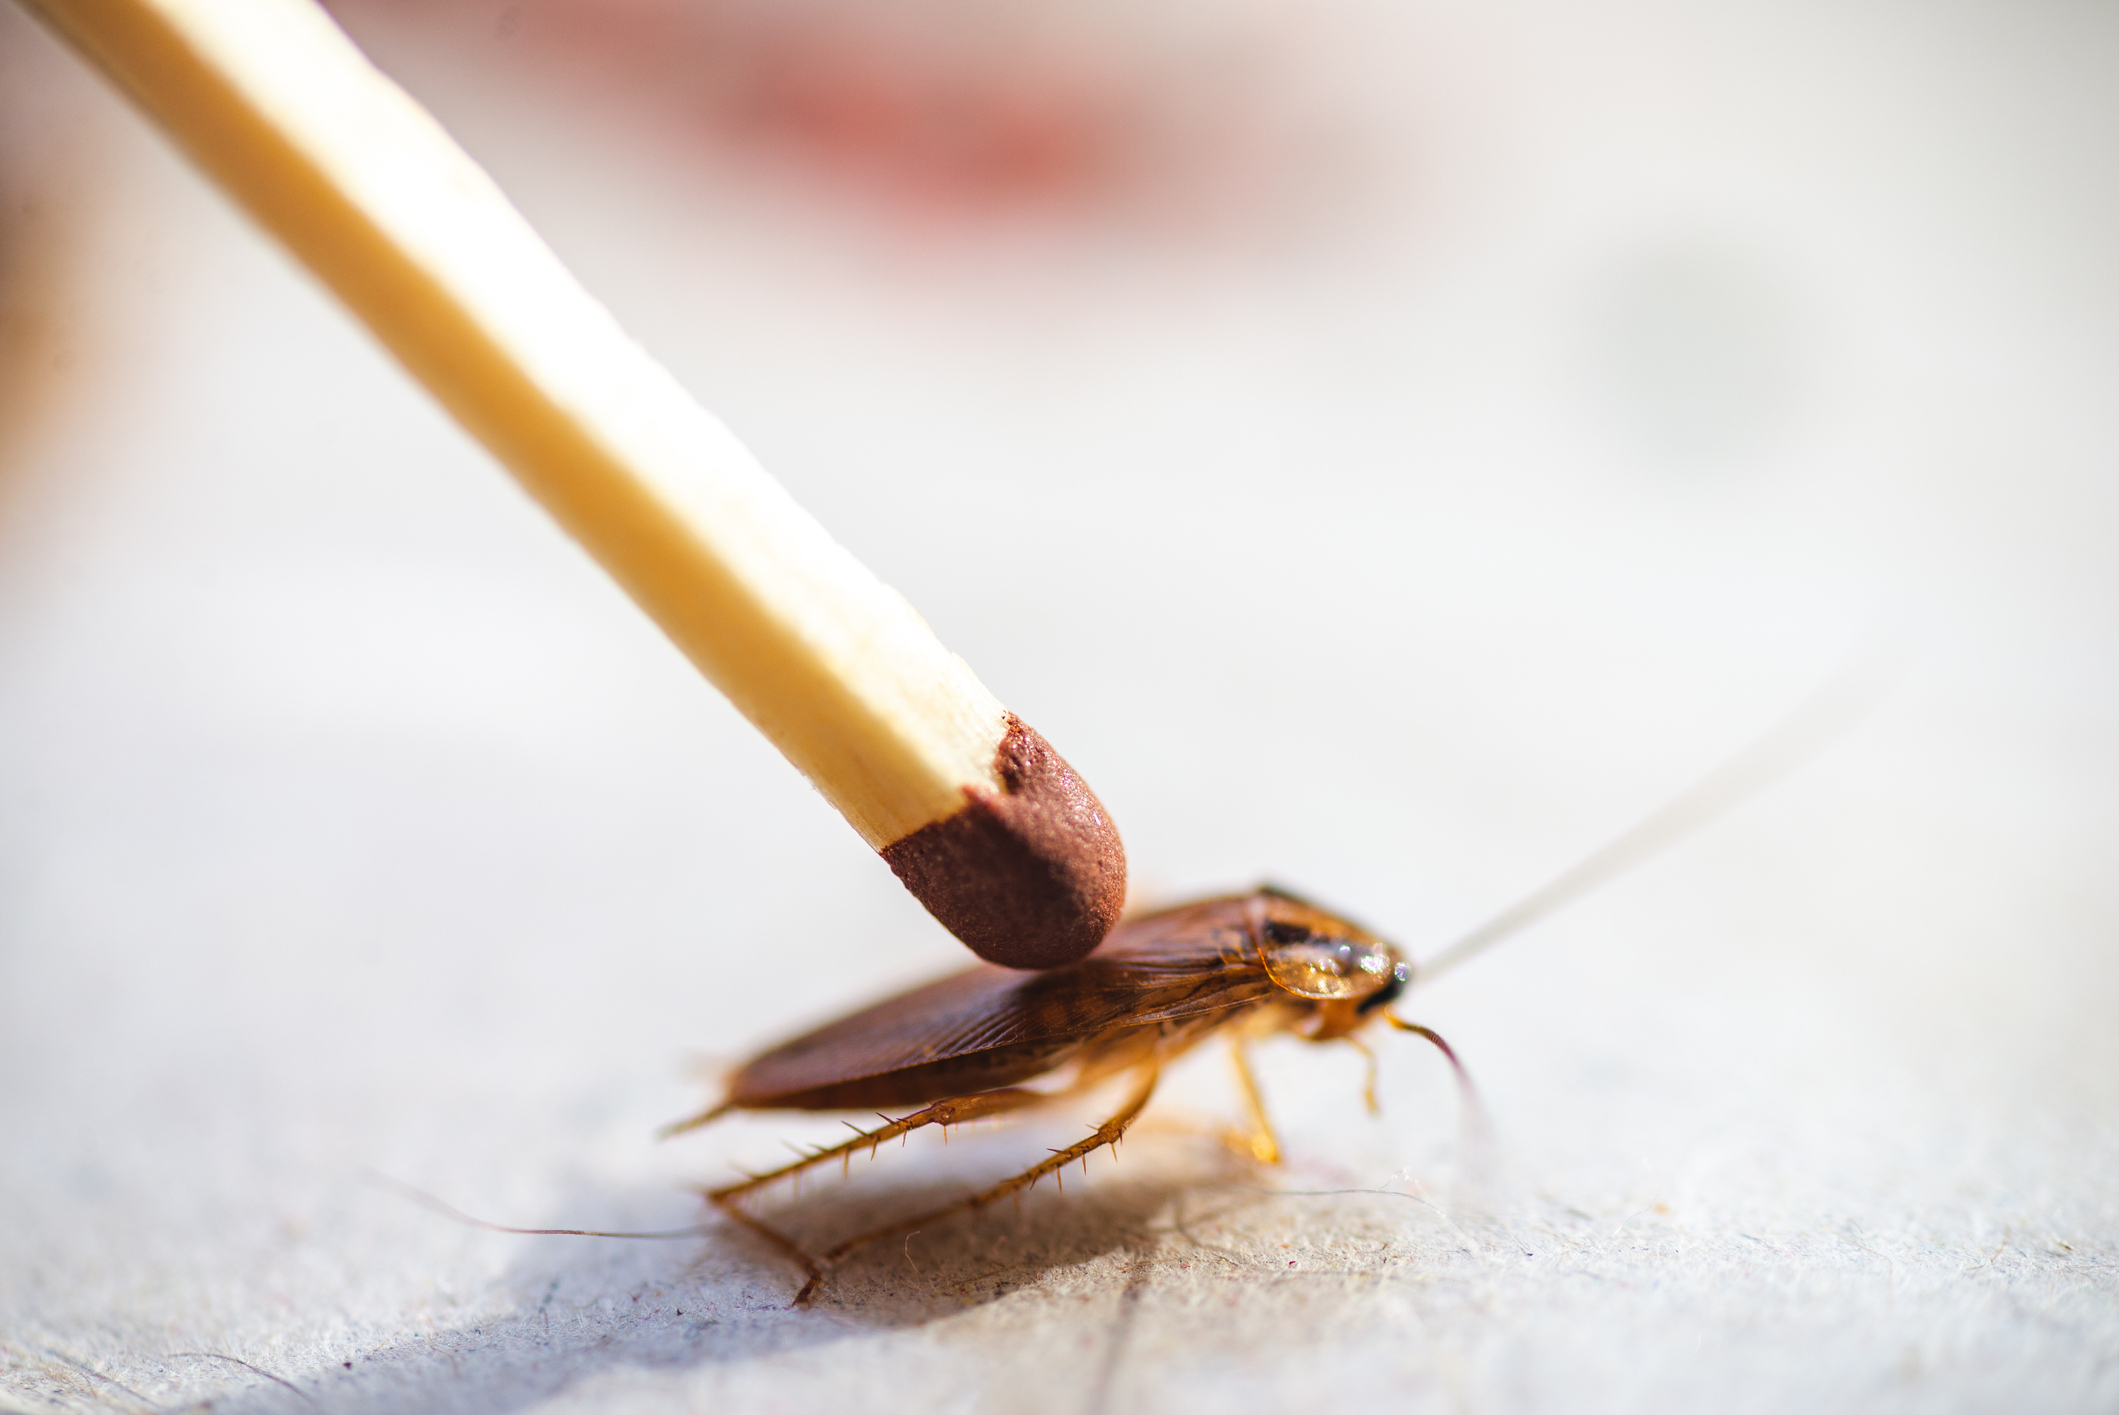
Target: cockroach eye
1323, 967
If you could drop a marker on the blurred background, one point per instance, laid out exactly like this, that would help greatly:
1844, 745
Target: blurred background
1388, 448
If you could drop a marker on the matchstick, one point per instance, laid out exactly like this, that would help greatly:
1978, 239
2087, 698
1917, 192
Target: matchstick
981, 819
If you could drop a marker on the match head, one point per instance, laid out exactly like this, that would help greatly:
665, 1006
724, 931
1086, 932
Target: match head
1033, 876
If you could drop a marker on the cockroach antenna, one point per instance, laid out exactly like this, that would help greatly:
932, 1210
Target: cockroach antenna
1477, 1126
1790, 745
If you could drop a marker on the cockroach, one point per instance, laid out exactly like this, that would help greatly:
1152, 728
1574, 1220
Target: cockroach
963, 1048
967, 1046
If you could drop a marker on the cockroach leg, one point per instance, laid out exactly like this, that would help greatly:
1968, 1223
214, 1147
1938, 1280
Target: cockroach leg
773, 1236
1264, 1146
1368, 1089
1108, 1133
949, 1112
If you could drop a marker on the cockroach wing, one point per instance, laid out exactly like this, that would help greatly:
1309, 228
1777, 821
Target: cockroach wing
987, 1027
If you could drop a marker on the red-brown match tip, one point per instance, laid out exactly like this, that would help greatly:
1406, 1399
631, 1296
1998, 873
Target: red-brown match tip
1032, 877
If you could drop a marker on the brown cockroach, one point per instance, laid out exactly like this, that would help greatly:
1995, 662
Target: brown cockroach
966, 1046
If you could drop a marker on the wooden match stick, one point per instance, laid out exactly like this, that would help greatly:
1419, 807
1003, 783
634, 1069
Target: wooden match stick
976, 813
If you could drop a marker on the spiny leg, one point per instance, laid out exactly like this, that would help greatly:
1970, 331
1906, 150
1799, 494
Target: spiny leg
1108, 1133
950, 1112
779, 1240
1263, 1144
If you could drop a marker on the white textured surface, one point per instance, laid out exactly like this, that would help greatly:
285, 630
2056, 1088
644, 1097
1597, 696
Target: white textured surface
1698, 355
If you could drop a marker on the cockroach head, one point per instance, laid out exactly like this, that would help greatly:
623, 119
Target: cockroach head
1324, 958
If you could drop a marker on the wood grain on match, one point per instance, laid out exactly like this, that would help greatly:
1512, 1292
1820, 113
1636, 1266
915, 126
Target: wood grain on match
976, 813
